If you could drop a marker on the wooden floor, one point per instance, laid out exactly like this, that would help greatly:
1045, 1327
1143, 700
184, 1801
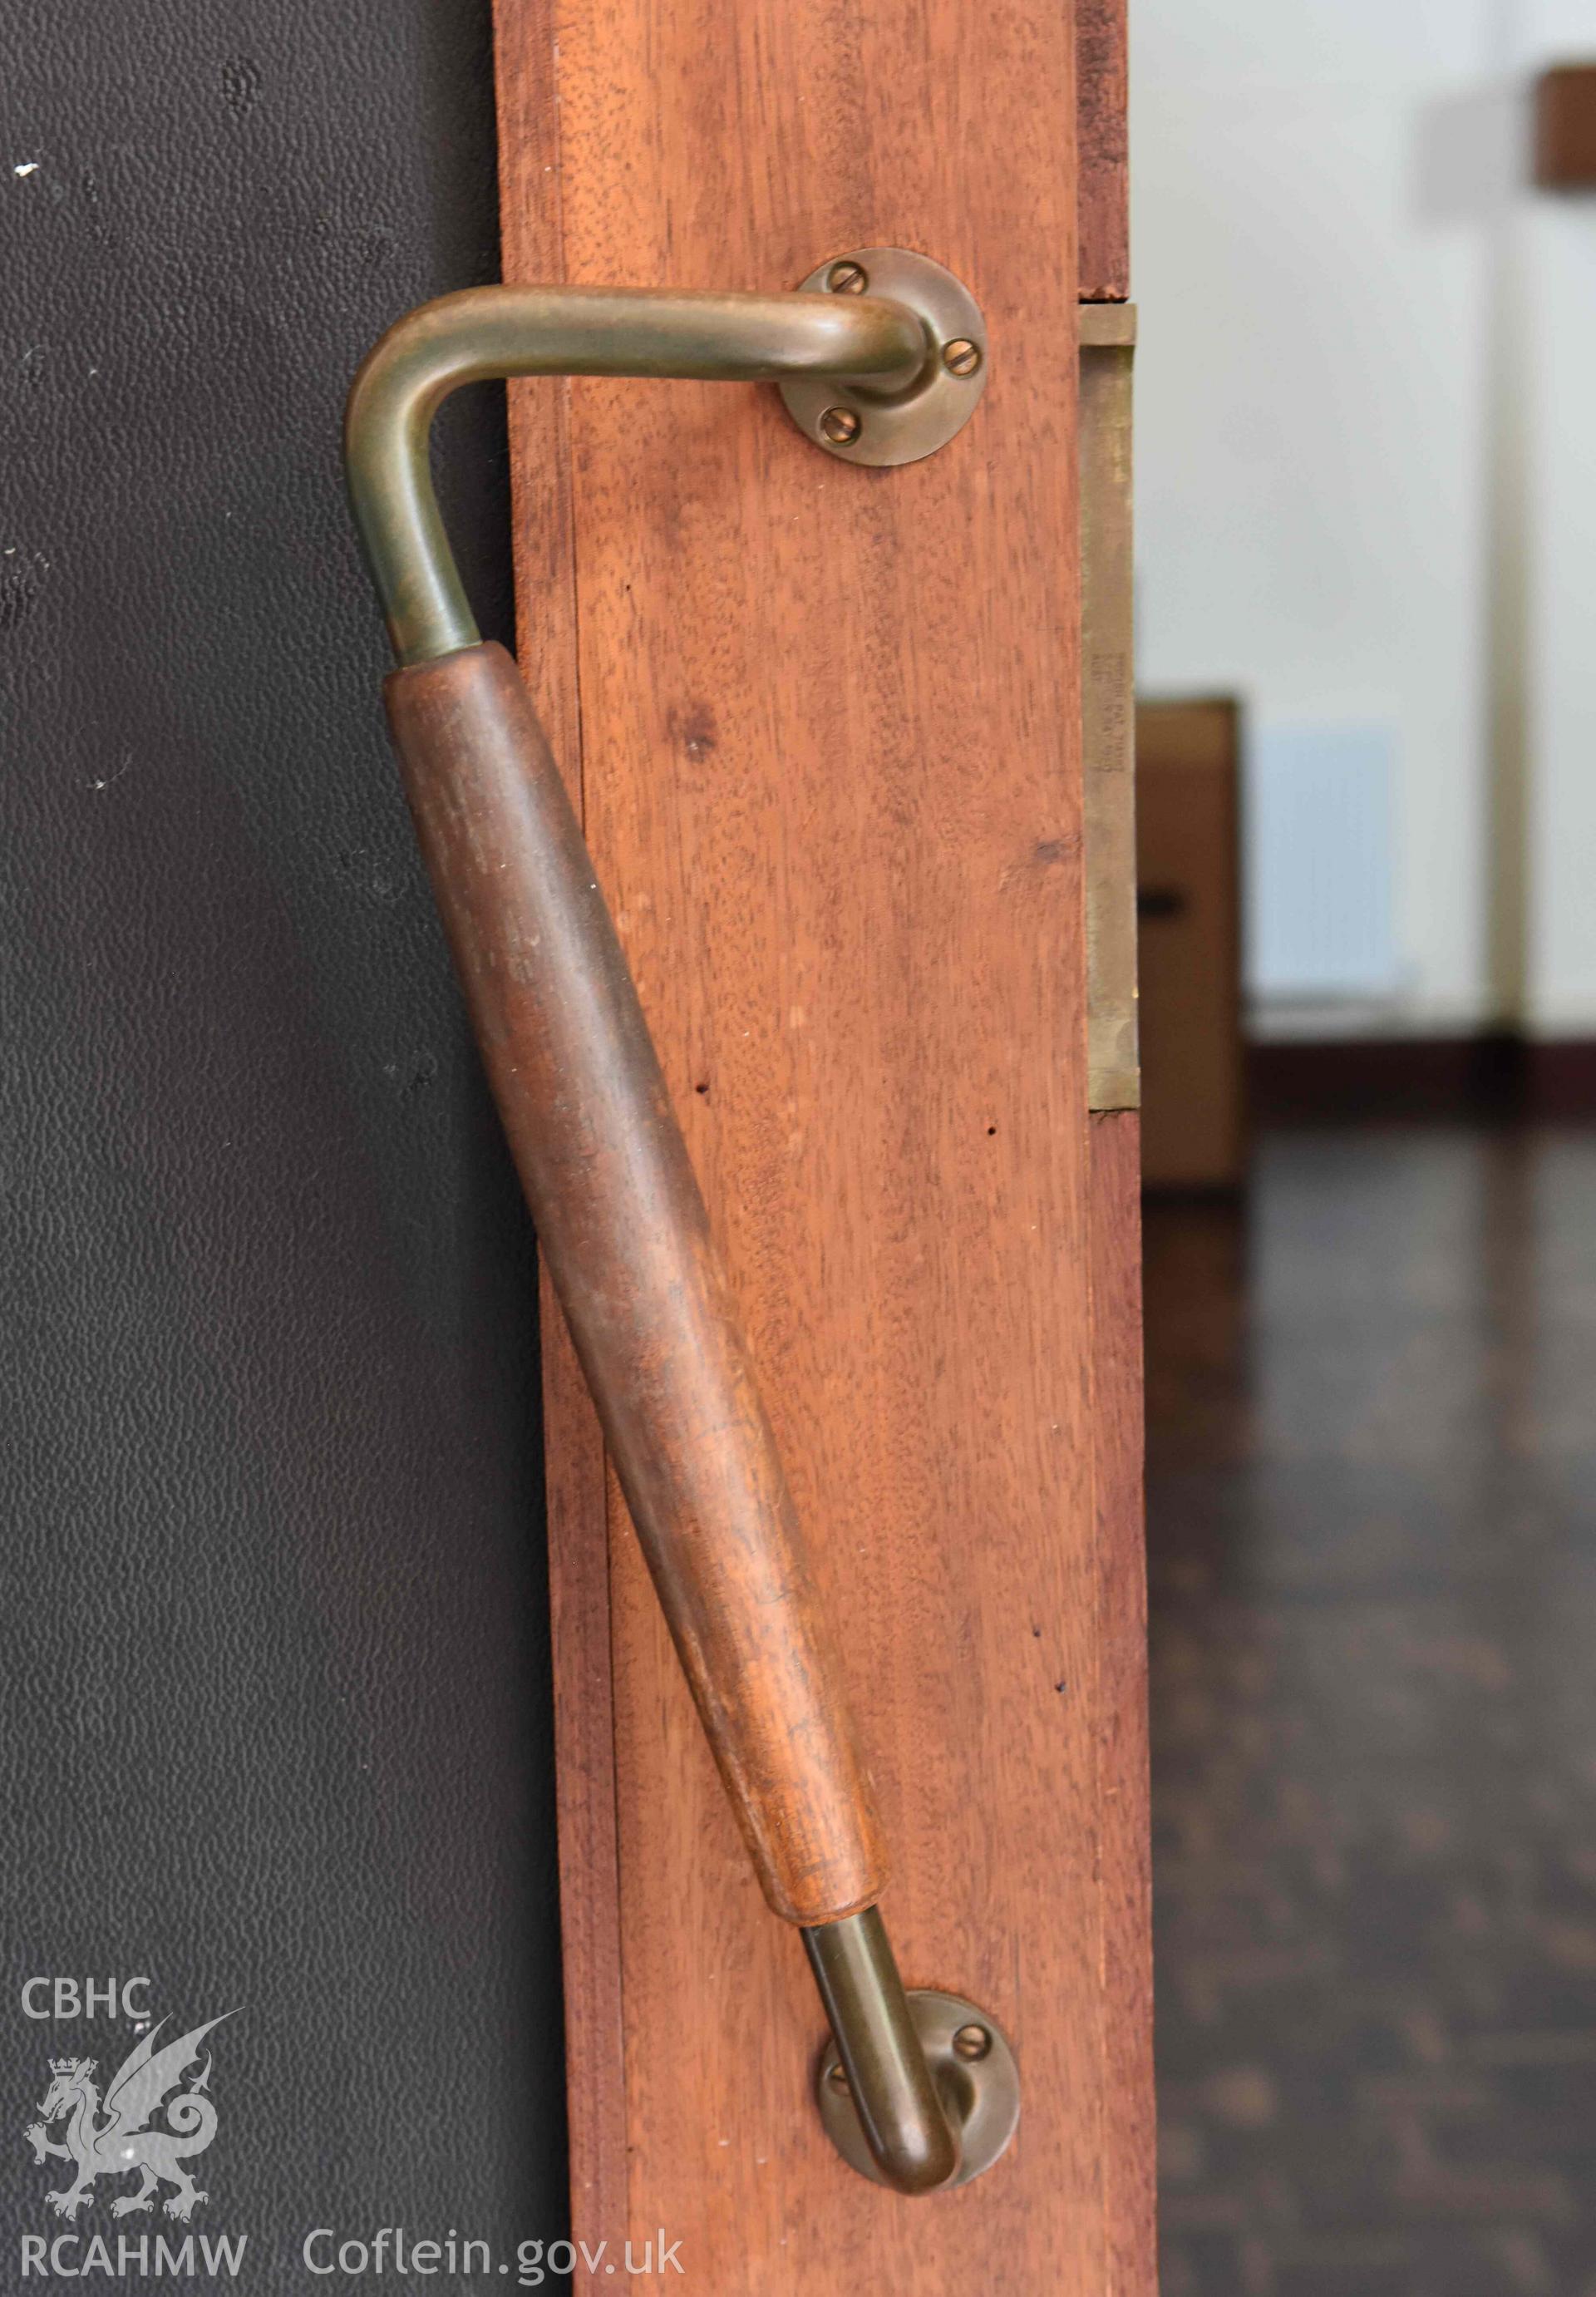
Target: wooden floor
1373, 1492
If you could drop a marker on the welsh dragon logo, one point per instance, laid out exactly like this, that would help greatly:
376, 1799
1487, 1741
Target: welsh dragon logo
123, 2144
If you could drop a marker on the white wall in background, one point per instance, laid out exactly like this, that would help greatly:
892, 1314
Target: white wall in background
1557, 238
1356, 463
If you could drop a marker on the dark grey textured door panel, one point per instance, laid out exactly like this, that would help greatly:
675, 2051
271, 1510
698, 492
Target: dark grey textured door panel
275, 1728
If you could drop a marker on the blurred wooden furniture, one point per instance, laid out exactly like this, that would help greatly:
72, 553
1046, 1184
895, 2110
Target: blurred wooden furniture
1189, 906
1565, 128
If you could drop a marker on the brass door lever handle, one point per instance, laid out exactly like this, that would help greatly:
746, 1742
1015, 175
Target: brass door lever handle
880, 358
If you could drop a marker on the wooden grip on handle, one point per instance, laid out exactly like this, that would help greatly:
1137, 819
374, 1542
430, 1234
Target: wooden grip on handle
622, 1227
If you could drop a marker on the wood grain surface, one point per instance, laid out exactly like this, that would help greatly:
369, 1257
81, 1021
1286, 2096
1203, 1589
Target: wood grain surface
830, 773
577, 1482
1104, 139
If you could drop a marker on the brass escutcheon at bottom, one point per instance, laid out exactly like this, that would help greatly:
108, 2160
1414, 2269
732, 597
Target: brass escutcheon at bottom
980, 2091
885, 420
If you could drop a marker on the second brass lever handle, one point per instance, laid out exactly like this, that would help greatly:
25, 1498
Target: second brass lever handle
601, 1158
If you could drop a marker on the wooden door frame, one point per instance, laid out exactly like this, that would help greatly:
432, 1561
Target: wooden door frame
1104, 277
593, 1593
